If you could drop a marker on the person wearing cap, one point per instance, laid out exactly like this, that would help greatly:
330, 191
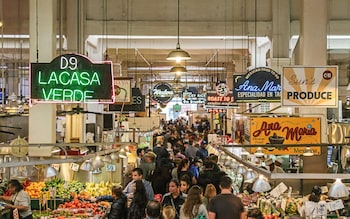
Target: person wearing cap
274, 167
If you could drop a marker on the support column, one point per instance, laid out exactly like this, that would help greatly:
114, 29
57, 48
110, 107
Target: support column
42, 117
313, 52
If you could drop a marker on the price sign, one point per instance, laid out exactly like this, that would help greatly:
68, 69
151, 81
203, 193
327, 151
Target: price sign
110, 168
335, 205
324, 189
279, 189
74, 167
56, 166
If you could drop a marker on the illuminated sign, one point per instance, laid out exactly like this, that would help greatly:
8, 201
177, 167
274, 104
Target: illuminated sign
189, 97
138, 103
286, 130
72, 78
258, 85
217, 110
310, 86
214, 99
162, 92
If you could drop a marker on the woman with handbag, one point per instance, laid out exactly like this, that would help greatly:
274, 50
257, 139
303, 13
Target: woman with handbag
19, 201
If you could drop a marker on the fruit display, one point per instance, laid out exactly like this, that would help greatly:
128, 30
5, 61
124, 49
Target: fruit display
98, 189
34, 189
3, 186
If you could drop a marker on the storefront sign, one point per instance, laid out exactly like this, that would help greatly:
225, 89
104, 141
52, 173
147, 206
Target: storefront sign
162, 92
310, 86
138, 103
286, 130
258, 85
72, 78
214, 99
188, 97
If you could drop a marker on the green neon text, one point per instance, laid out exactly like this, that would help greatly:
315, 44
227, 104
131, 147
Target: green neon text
70, 78
67, 94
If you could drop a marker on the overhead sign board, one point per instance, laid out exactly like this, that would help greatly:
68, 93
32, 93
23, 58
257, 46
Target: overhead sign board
138, 103
310, 86
189, 97
286, 130
214, 99
258, 85
71, 78
162, 92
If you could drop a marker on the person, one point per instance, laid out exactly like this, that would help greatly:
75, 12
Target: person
174, 197
314, 207
255, 213
209, 193
183, 169
185, 184
139, 152
193, 206
153, 209
194, 166
168, 212
278, 165
226, 205
19, 200
139, 201
202, 153
118, 206
161, 177
148, 165
191, 150
137, 174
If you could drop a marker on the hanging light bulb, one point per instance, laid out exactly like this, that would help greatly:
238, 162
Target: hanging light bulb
178, 70
308, 152
86, 165
249, 175
98, 163
259, 152
338, 190
241, 169
50, 172
261, 185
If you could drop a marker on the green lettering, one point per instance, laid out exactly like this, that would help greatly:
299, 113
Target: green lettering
41, 82
53, 77
84, 78
68, 94
46, 96
88, 95
78, 95
57, 93
95, 79
75, 78
61, 78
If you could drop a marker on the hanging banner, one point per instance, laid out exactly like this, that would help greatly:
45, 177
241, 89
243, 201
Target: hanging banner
258, 85
71, 78
138, 103
286, 130
310, 86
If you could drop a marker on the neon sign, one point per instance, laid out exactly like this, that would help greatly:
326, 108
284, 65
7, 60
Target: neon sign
72, 78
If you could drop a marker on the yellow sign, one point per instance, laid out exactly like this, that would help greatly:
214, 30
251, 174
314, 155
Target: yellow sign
310, 86
286, 130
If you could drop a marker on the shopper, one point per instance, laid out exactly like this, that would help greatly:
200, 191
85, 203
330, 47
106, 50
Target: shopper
183, 169
139, 201
118, 207
255, 213
193, 206
185, 184
137, 174
153, 209
174, 198
19, 200
226, 205
209, 193
168, 212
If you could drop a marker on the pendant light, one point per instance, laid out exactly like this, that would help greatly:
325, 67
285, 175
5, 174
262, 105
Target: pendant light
178, 54
338, 190
261, 185
178, 69
308, 152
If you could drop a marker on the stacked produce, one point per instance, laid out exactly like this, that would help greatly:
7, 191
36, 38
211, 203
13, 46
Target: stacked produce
3, 186
98, 189
63, 190
34, 189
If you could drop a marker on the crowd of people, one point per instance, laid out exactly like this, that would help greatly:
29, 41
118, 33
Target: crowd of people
177, 179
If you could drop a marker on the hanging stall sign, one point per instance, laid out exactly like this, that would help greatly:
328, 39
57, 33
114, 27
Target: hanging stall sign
71, 78
214, 99
189, 97
138, 103
123, 94
310, 86
162, 92
258, 85
286, 130
217, 110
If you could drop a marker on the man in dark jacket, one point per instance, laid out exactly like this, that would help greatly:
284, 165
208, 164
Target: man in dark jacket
118, 207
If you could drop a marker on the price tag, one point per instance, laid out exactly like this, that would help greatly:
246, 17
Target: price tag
324, 189
110, 168
74, 167
279, 189
335, 205
284, 204
56, 166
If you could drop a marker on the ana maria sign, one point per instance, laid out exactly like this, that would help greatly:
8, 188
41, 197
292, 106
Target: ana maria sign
72, 78
258, 85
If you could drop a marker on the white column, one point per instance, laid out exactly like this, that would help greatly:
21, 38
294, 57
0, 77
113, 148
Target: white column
42, 117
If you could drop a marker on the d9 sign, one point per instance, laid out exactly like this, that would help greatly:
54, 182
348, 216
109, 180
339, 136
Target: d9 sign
72, 78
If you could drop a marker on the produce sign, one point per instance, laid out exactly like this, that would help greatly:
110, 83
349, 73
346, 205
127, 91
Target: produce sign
286, 130
71, 78
258, 85
310, 86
